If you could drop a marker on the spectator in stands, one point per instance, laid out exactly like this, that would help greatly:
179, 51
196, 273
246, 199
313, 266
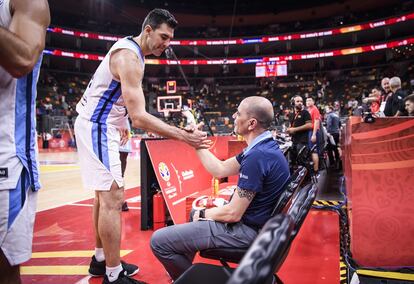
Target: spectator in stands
374, 99
263, 172
314, 134
337, 107
409, 105
395, 103
300, 125
386, 93
47, 104
333, 125
352, 106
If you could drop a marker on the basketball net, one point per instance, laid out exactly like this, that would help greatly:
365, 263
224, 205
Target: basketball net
166, 113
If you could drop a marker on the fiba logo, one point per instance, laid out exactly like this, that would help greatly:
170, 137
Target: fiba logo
164, 171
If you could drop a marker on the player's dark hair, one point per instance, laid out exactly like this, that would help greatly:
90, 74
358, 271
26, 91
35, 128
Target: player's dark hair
157, 17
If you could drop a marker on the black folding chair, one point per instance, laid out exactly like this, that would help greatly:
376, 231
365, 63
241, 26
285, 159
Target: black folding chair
299, 209
264, 258
234, 255
252, 272
257, 265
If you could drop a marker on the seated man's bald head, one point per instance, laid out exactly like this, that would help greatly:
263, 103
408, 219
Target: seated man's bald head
261, 109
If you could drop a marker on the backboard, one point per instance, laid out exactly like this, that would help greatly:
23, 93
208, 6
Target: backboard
167, 104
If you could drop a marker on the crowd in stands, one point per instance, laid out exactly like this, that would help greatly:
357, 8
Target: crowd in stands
214, 31
214, 101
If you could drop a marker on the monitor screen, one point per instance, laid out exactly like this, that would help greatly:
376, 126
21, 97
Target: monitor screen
271, 69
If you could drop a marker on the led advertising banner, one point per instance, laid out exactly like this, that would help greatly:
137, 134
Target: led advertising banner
220, 61
252, 40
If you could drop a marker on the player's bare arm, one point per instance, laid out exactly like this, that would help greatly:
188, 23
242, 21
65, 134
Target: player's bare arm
22, 44
126, 67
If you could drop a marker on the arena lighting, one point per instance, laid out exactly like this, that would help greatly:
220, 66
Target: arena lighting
312, 55
239, 41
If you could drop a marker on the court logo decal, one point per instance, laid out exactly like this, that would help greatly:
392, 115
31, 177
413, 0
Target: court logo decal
164, 171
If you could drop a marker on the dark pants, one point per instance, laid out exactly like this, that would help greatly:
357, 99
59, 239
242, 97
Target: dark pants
175, 246
333, 150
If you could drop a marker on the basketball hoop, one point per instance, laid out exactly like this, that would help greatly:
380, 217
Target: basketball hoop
168, 104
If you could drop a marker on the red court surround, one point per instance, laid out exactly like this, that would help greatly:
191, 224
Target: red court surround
379, 167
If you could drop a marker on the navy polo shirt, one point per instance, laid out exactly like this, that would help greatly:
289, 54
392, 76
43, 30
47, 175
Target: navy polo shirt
264, 170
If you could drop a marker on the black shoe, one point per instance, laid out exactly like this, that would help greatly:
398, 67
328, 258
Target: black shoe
125, 206
123, 279
98, 268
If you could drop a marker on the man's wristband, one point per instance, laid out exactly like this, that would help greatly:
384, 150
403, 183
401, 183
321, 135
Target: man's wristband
202, 213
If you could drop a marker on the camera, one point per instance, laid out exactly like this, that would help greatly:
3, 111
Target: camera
368, 117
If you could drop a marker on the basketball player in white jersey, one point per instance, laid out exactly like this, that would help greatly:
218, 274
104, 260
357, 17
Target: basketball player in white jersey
114, 92
23, 26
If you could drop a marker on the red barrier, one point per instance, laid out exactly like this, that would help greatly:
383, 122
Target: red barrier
379, 166
180, 173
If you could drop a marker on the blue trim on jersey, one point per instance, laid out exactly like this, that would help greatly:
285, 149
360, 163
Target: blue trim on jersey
100, 143
25, 123
139, 49
29, 124
17, 197
104, 106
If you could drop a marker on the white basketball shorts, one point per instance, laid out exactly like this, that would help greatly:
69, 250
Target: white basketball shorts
98, 150
17, 215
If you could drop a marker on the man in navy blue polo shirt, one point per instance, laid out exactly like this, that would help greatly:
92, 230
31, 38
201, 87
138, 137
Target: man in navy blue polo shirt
263, 173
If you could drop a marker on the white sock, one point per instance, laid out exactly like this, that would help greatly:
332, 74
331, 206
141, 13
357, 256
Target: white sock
113, 272
99, 254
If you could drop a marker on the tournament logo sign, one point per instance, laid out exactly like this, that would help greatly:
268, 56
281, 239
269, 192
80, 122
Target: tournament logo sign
164, 171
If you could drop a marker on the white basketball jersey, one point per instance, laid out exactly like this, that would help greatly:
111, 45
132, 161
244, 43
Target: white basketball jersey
18, 144
102, 101
5, 17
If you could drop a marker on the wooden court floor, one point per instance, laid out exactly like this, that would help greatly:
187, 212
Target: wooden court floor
63, 240
61, 180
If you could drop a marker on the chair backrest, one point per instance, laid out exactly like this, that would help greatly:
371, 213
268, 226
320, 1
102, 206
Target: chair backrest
298, 211
301, 205
296, 181
264, 255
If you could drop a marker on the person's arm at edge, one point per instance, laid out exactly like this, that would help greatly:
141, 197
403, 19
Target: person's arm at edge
371, 99
22, 44
315, 129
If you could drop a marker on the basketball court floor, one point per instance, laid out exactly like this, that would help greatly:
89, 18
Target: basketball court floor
64, 240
